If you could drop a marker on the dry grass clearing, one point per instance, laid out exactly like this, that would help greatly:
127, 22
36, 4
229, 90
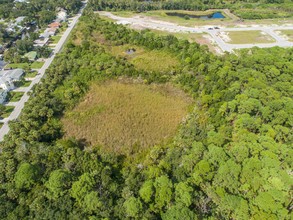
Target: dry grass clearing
288, 34
127, 117
191, 37
148, 60
249, 37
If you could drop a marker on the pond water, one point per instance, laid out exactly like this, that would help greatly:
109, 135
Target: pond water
216, 15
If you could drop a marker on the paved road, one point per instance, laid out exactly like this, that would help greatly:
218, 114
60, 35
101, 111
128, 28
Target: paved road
146, 22
17, 110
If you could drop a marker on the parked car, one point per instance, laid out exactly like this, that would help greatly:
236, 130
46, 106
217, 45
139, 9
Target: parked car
216, 27
210, 28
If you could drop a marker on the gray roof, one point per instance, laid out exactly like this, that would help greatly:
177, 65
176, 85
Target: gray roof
19, 19
14, 74
3, 81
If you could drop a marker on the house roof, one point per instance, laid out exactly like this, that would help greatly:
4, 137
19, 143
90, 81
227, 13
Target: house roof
52, 29
40, 42
32, 55
14, 74
54, 24
48, 32
19, 19
2, 81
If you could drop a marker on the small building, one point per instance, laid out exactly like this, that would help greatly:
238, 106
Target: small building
32, 55
54, 25
18, 20
48, 32
41, 42
8, 77
62, 15
6, 84
3, 95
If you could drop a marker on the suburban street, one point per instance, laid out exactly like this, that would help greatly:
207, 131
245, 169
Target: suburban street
19, 105
147, 22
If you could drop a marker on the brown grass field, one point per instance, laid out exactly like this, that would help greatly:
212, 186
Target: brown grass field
127, 117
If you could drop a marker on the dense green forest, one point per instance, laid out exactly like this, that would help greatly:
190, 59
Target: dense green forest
230, 159
244, 9
36, 10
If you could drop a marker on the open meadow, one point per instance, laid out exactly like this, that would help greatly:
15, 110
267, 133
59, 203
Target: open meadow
247, 37
148, 60
127, 117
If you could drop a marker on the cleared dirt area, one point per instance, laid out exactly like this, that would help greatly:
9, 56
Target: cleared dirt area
127, 117
246, 37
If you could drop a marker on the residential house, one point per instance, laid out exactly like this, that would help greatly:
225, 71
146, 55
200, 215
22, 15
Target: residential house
6, 84
47, 33
41, 42
16, 25
3, 95
8, 77
61, 15
54, 25
32, 55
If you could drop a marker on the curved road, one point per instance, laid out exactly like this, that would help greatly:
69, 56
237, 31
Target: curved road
19, 106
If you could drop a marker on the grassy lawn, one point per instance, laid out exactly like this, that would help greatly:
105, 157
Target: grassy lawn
248, 37
1, 124
62, 29
124, 117
15, 96
23, 83
7, 111
288, 34
191, 37
55, 39
37, 65
154, 60
34, 65
18, 65
31, 74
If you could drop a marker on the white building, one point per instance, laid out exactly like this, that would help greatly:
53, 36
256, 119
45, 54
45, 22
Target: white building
6, 84
62, 15
8, 77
